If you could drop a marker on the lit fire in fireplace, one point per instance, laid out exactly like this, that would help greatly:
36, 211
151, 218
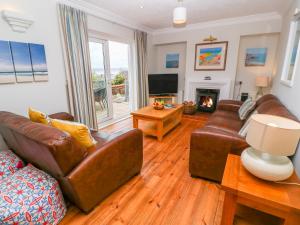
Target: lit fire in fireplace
206, 101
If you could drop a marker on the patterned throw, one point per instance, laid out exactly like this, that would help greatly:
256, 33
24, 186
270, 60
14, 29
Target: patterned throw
244, 130
31, 197
247, 107
9, 163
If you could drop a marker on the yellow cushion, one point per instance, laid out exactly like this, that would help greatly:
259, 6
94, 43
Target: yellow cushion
77, 130
37, 116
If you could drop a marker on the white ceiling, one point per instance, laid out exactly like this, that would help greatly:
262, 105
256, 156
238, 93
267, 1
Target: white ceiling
157, 14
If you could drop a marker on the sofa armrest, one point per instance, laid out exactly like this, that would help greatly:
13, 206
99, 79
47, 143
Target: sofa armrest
106, 169
229, 105
209, 149
62, 116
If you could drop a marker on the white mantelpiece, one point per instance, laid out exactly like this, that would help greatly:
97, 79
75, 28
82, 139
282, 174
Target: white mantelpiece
222, 84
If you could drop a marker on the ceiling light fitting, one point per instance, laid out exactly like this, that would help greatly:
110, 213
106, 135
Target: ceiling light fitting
179, 14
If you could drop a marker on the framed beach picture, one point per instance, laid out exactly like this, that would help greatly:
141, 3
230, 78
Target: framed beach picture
39, 64
211, 56
172, 60
256, 56
7, 70
22, 61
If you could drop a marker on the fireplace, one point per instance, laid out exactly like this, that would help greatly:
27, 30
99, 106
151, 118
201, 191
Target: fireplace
207, 99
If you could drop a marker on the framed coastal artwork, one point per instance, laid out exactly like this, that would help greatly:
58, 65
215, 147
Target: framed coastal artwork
256, 56
39, 64
22, 62
172, 60
7, 70
211, 56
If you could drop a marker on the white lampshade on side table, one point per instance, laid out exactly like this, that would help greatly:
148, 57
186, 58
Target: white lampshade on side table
272, 139
261, 82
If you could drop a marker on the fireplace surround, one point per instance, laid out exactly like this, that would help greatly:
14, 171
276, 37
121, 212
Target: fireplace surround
207, 99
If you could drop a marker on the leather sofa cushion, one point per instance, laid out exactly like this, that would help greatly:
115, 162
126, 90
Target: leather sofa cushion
225, 120
42, 145
265, 98
275, 107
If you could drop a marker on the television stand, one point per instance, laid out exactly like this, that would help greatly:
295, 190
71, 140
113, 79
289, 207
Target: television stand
167, 99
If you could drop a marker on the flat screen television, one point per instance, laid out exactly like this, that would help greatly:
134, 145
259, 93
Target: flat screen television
162, 84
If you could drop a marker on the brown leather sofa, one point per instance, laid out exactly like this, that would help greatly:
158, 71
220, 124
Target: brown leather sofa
86, 176
211, 144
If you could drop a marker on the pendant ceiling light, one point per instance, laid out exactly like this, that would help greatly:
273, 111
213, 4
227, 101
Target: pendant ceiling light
179, 14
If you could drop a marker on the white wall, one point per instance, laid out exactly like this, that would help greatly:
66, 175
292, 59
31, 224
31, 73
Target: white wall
109, 30
48, 96
247, 74
224, 32
158, 62
288, 95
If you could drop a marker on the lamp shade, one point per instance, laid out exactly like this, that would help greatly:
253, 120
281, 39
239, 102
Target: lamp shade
273, 134
262, 81
179, 15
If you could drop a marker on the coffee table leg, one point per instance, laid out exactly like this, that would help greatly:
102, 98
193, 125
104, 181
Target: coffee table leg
160, 128
135, 122
229, 209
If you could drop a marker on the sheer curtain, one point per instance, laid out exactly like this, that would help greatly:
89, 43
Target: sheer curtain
142, 70
74, 31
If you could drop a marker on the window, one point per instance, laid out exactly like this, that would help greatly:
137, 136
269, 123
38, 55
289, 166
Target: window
292, 57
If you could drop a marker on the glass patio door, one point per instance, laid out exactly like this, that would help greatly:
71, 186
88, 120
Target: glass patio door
99, 55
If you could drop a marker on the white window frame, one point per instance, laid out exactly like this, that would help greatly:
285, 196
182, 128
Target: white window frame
288, 53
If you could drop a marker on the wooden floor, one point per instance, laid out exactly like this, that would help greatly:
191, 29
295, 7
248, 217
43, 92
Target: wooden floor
164, 193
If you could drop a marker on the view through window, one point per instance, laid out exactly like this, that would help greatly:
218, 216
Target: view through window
110, 66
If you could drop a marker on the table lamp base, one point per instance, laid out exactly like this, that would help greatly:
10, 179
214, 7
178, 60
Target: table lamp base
267, 166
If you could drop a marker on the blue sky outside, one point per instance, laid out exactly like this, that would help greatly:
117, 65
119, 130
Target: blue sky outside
21, 57
210, 50
38, 58
118, 56
6, 64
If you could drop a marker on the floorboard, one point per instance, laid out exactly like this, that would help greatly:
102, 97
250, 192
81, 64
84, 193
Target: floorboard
164, 193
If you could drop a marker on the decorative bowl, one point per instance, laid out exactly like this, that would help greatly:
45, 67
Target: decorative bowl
158, 107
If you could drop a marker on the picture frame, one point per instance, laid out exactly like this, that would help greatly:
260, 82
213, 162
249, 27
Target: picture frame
172, 60
38, 61
256, 57
22, 62
7, 70
211, 56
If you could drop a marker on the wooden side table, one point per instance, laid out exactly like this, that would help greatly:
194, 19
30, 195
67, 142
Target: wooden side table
241, 187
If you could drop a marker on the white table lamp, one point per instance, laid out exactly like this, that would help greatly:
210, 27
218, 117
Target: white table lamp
272, 139
261, 82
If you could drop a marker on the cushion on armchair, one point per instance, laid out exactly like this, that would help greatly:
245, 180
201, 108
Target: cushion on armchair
30, 196
9, 163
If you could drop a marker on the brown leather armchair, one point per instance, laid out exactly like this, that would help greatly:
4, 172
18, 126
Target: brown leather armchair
86, 176
211, 144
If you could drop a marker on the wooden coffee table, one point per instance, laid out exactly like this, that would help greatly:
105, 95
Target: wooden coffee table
159, 122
